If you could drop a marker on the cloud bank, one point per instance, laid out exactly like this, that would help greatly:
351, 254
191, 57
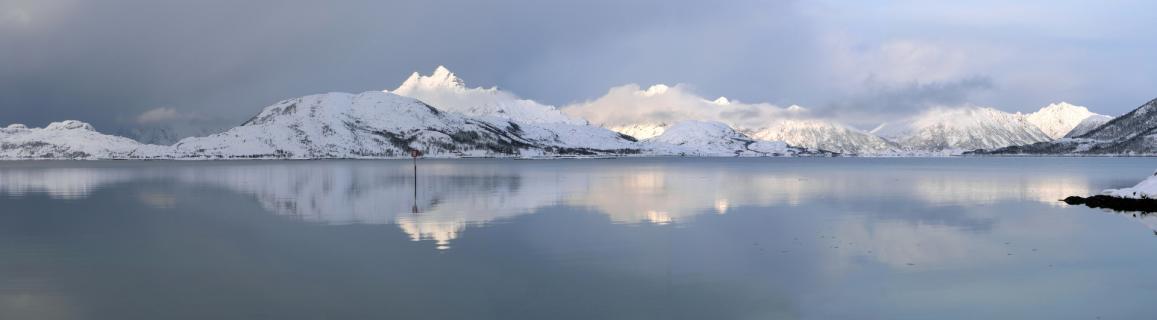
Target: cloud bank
662, 104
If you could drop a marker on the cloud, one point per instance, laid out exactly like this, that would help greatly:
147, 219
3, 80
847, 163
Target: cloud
630, 104
905, 60
881, 102
164, 115
167, 125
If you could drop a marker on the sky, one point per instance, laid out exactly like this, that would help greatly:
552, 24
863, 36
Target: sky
123, 64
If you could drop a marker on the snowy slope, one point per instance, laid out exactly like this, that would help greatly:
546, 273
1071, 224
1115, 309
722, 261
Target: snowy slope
710, 138
540, 124
1134, 123
1090, 123
804, 133
1146, 189
439, 115
1058, 119
377, 124
642, 131
961, 129
825, 135
1134, 133
449, 93
645, 113
70, 139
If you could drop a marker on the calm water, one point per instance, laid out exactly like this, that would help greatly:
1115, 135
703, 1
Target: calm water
573, 239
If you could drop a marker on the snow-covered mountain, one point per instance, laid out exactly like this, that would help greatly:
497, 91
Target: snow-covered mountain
1090, 123
449, 93
380, 124
442, 117
1058, 119
642, 131
543, 124
712, 138
956, 130
1134, 133
825, 135
1138, 122
812, 134
70, 139
644, 113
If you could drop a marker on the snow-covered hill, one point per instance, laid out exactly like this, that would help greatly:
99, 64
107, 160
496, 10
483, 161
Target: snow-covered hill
1146, 189
825, 135
380, 124
442, 117
642, 130
1134, 133
958, 130
646, 113
1087, 125
541, 124
70, 139
711, 138
1135, 123
449, 93
1058, 119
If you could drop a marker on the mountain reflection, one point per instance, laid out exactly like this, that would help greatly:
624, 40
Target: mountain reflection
454, 195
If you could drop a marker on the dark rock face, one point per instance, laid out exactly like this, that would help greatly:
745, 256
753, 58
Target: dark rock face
1114, 203
1140, 120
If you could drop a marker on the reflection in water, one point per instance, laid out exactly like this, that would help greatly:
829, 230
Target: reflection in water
453, 195
624, 238
987, 188
59, 183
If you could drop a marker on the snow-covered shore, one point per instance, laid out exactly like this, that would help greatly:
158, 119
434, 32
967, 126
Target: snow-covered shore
1146, 189
1138, 198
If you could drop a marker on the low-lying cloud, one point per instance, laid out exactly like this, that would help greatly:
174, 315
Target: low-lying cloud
164, 115
631, 104
882, 102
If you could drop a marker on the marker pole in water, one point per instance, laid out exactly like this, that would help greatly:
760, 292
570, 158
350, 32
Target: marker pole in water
414, 154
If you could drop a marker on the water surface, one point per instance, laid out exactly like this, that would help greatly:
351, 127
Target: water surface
573, 239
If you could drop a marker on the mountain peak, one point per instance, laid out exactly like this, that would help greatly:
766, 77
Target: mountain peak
441, 78
1058, 119
442, 72
957, 129
1062, 107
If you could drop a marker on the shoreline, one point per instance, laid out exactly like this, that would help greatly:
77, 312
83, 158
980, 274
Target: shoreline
1118, 204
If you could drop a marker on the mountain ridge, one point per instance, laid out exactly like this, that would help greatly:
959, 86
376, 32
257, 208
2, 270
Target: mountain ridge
1134, 133
441, 116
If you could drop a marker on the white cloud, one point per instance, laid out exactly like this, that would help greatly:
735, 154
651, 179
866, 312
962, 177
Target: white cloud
631, 104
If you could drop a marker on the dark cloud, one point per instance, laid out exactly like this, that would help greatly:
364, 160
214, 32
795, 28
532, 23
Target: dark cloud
883, 102
109, 61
